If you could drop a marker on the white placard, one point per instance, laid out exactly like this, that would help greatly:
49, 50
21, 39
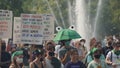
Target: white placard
17, 30
48, 27
5, 24
32, 29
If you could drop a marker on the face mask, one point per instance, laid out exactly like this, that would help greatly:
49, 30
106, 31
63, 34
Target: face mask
97, 56
67, 43
19, 60
82, 43
51, 53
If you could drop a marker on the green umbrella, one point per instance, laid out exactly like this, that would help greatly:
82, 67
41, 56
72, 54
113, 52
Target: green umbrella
66, 34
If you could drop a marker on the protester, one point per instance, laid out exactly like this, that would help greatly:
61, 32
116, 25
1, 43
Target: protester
74, 62
113, 57
5, 56
89, 56
108, 46
50, 59
92, 43
82, 42
99, 46
57, 48
64, 52
96, 62
78, 46
17, 60
13, 48
84, 49
26, 56
39, 61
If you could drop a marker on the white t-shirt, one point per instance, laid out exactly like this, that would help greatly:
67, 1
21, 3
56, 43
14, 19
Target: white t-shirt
115, 59
57, 47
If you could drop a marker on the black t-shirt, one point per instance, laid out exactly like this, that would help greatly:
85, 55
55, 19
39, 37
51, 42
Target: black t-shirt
106, 49
5, 56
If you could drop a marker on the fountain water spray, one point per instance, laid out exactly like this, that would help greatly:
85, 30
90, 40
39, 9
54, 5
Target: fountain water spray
69, 12
80, 18
99, 7
52, 12
60, 13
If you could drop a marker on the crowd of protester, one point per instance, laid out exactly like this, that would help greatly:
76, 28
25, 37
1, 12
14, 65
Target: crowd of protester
64, 54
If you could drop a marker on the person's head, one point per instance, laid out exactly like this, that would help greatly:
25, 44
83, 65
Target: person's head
96, 53
82, 41
77, 44
39, 54
92, 43
116, 45
98, 45
13, 47
3, 45
17, 57
65, 42
109, 40
74, 54
50, 48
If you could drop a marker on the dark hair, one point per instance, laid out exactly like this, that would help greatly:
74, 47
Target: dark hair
97, 43
83, 40
109, 37
96, 51
38, 52
50, 46
55, 62
72, 51
116, 43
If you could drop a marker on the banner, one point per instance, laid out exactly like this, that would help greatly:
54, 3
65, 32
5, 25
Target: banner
17, 30
5, 24
32, 29
48, 22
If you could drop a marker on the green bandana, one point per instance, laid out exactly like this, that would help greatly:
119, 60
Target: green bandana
93, 50
116, 52
17, 53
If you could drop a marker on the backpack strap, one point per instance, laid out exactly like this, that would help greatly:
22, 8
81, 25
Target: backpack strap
111, 56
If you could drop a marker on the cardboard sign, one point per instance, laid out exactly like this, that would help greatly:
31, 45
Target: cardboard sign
48, 22
17, 30
5, 24
32, 29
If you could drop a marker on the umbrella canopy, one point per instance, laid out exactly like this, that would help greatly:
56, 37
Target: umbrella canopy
66, 34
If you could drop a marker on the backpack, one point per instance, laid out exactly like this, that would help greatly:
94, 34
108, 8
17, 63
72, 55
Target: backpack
106, 51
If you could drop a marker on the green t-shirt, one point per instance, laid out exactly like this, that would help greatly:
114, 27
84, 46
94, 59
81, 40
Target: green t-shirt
93, 64
90, 58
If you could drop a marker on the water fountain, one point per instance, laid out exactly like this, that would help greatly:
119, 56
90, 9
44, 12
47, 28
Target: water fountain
99, 7
83, 25
80, 18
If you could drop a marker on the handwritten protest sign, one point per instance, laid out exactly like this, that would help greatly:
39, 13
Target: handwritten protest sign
17, 30
48, 22
5, 24
31, 29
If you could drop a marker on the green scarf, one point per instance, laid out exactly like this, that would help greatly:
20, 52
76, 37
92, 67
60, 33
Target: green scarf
117, 52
